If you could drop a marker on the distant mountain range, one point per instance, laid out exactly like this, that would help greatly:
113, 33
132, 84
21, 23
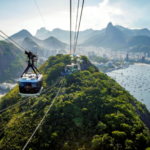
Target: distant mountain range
113, 37
26, 40
12, 62
119, 38
64, 35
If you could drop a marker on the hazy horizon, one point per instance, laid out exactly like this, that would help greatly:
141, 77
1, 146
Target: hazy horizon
17, 15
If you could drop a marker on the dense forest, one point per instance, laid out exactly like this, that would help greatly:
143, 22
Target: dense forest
91, 112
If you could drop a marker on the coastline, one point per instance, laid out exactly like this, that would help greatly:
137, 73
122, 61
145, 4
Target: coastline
142, 64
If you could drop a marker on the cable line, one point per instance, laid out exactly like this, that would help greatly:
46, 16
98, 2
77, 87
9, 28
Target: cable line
79, 25
70, 25
40, 13
12, 40
9, 42
76, 24
27, 120
28, 98
42, 120
21, 127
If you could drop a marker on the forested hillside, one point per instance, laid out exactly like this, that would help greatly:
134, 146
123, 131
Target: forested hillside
11, 62
140, 48
91, 112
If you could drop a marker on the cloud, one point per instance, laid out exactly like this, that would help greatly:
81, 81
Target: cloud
120, 12
96, 14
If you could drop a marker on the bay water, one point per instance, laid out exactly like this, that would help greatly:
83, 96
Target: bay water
136, 80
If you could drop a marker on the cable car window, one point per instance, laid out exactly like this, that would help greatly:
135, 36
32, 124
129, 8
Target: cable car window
29, 87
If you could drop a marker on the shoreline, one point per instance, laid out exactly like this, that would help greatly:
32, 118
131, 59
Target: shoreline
141, 64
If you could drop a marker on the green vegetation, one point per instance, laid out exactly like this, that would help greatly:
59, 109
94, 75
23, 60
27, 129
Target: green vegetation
91, 112
12, 62
136, 40
140, 48
98, 59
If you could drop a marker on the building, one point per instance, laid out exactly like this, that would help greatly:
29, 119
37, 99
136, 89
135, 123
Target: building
143, 59
127, 57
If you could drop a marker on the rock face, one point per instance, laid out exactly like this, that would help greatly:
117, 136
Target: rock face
43, 33
113, 34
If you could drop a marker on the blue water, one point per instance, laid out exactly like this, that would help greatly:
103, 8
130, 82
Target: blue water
136, 80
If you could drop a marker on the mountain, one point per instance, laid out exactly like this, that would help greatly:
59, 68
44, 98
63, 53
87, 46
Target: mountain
43, 33
64, 35
135, 32
85, 35
50, 43
136, 40
11, 62
112, 37
119, 38
53, 43
91, 111
28, 41
19, 36
113, 34
140, 48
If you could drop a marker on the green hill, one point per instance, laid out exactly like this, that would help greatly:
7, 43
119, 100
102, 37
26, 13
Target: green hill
53, 43
11, 62
136, 40
91, 112
111, 38
140, 48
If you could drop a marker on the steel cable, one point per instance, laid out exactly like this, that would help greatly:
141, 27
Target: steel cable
42, 119
24, 123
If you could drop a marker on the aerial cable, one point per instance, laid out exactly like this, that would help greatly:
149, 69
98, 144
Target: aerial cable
21, 127
76, 23
70, 25
9, 42
13, 41
79, 25
28, 118
18, 116
42, 119
40, 13
14, 105
27, 98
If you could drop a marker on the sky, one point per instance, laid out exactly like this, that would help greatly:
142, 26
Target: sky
16, 15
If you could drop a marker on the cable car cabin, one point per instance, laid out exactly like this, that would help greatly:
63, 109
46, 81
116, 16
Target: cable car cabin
69, 69
30, 85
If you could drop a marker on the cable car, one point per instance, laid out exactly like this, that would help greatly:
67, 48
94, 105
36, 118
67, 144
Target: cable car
69, 69
31, 84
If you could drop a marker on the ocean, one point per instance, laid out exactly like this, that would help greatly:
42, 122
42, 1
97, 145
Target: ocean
136, 80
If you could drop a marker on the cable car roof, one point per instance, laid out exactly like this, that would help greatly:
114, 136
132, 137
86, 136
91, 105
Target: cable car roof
31, 78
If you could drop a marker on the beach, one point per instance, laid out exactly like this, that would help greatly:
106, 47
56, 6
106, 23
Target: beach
142, 64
